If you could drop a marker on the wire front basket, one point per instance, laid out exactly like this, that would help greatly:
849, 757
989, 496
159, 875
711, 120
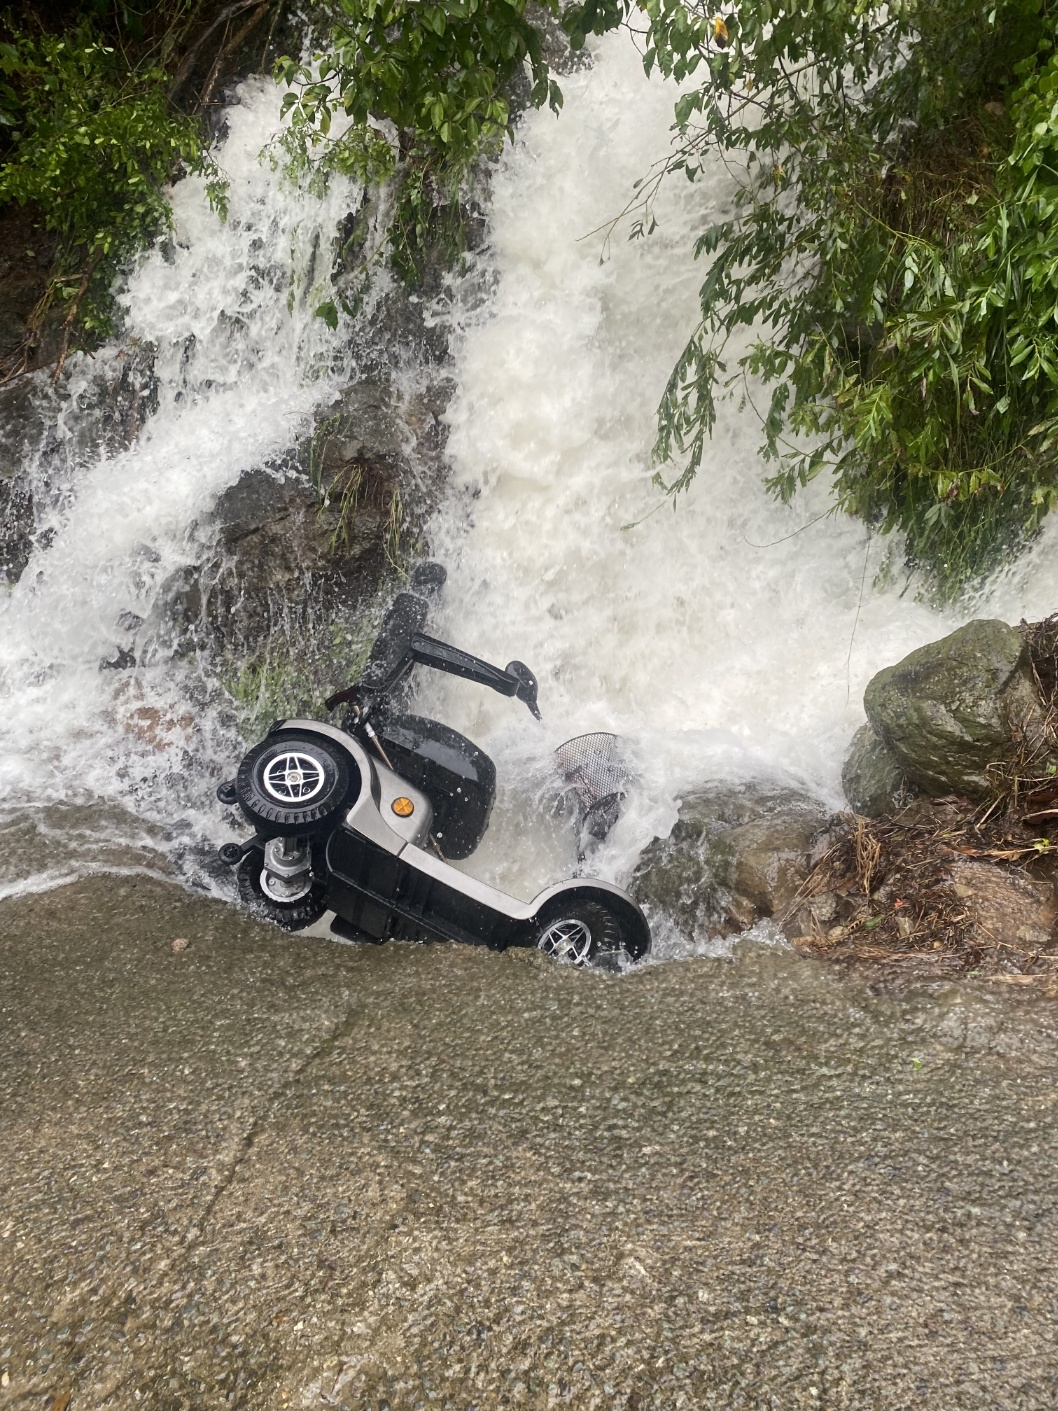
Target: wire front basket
597, 776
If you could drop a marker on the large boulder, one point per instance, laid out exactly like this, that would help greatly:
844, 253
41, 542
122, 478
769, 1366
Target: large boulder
873, 778
738, 852
952, 708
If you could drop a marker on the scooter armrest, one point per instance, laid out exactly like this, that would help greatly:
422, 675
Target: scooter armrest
516, 680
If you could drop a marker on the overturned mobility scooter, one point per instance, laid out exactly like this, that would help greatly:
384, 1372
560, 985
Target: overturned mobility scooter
365, 820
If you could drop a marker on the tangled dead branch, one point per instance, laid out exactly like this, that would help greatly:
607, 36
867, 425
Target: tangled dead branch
949, 886
922, 889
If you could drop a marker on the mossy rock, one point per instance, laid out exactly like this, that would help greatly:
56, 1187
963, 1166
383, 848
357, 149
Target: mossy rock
873, 778
953, 708
737, 852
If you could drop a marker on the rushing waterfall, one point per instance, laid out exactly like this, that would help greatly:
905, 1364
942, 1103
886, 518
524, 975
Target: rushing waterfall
724, 636
240, 362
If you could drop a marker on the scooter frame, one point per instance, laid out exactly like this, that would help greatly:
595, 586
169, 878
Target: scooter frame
381, 883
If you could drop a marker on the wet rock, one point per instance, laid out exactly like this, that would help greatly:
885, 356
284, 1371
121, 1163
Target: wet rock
275, 557
556, 52
177, 609
22, 430
806, 921
121, 660
277, 540
769, 858
402, 326
954, 707
1008, 906
115, 396
26, 254
299, 548
825, 908
554, 42
393, 432
154, 725
320, 532
738, 852
873, 778
16, 526
365, 425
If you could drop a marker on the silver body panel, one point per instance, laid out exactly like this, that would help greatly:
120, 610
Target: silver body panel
416, 827
370, 816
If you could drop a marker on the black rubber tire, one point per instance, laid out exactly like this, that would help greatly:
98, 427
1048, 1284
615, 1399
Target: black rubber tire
270, 816
603, 938
288, 916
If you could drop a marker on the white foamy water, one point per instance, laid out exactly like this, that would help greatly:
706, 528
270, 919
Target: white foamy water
714, 636
241, 361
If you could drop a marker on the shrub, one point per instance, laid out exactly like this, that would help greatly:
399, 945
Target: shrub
437, 72
91, 144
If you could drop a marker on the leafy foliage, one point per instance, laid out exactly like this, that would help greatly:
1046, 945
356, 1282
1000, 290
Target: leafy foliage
95, 144
437, 73
90, 140
893, 247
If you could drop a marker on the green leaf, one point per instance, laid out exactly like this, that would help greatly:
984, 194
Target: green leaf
329, 313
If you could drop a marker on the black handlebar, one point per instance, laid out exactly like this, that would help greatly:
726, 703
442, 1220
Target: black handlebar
514, 680
400, 646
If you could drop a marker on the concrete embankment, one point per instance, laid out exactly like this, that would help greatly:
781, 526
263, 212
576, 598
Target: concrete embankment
263, 1172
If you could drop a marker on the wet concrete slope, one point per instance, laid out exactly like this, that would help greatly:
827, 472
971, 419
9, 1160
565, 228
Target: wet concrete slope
264, 1173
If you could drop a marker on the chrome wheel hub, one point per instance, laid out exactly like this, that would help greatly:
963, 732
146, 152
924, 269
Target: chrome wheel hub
284, 890
568, 940
293, 778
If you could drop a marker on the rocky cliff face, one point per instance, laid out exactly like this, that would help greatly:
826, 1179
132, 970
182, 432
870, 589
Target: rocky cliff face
287, 567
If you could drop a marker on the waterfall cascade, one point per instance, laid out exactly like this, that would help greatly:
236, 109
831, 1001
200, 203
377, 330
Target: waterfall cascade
727, 635
239, 362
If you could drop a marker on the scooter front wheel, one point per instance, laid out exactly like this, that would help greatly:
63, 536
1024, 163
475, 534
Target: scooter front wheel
583, 932
294, 784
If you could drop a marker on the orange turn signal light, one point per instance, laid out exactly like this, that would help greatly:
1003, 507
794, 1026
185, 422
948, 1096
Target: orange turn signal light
402, 807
